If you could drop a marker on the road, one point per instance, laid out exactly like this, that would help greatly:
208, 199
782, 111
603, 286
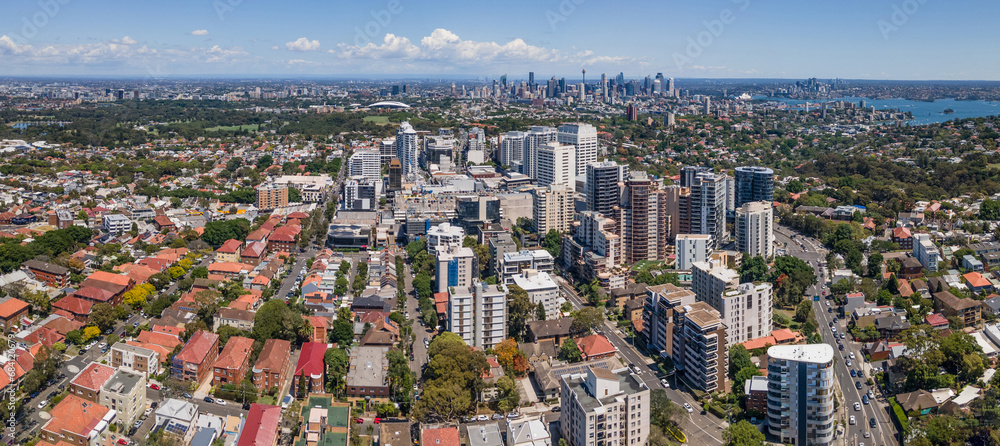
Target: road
699, 428
884, 432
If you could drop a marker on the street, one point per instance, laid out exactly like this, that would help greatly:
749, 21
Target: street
884, 432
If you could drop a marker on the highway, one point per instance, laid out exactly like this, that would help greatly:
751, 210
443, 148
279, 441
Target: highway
884, 432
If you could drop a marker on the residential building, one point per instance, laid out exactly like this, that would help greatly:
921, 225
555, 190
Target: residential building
78, 422
365, 163
88, 383
583, 137
12, 310
387, 150
368, 375
755, 229
708, 207
605, 183
746, 308
125, 392
231, 366
542, 290
658, 315
116, 224
50, 274
395, 433
271, 196
699, 347
484, 434
272, 364
229, 251
537, 137
529, 431
178, 417
691, 248
395, 174
969, 310
194, 361
602, 407
312, 188
514, 263
261, 427
407, 147
926, 252
461, 319
755, 390
903, 237
490, 315
553, 208
443, 235
512, 150
136, 359
643, 230
311, 368
800, 397
753, 183
556, 165
456, 267
362, 194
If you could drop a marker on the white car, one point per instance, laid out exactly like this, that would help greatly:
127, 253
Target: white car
852, 421
42, 404
688, 407
483, 418
851, 355
665, 383
857, 406
848, 362
868, 434
220, 401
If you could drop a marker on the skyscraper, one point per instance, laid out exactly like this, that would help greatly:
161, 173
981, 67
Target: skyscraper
754, 183
708, 207
536, 137
584, 138
552, 208
755, 229
688, 173
800, 391
407, 147
641, 218
511, 150
531, 79
699, 346
556, 164
605, 181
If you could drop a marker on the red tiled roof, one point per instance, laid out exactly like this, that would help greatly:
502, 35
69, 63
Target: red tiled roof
311, 359
901, 232
75, 415
94, 294
976, 280
595, 345
104, 276
261, 426
442, 436
231, 246
275, 351
168, 341
759, 343
12, 306
936, 319
254, 249
783, 335
235, 353
73, 305
93, 376
198, 346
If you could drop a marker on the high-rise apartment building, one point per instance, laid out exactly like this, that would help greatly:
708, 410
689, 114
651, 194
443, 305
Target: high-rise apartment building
746, 308
755, 229
395, 174
658, 315
691, 248
365, 163
754, 183
461, 318
542, 290
456, 267
800, 394
387, 150
444, 236
512, 150
689, 172
708, 207
584, 138
537, 137
552, 208
604, 407
407, 148
605, 181
641, 225
271, 196
699, 347
555, 165
490, 315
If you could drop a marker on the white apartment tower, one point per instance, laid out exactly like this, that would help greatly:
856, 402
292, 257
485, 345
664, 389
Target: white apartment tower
691, 248
490, 315
537, 137
552, 208
584, 138
365, 163
800, 394
555, 165
512, 149
708, 207
407, 148
456, 267
746, 308
755, 229
604, 407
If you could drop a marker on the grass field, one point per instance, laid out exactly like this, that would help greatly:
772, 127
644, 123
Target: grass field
230, 128
377, 119
647, 264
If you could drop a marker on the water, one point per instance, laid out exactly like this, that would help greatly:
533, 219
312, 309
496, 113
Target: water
923, 112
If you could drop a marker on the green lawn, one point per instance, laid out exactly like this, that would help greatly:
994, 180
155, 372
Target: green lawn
377, 119
231, 128
647, 264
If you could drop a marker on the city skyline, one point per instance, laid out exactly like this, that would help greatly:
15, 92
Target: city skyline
720, 39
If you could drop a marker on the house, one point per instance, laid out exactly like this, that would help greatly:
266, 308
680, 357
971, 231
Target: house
904, 237
78, 422
971, 263
11, 311
554, 329
239, 319
195, 360
395, 433
920, 401
910, 268
87, 384
891, 325
229, 251
881, 349
976, 282
969, 310
595, 346
484, 434
50, 274
231, 366
163, 222
937, 321
310, 367
272, 364
530, 431
78, 309
439, 435
254, 253
179, 416
992, 305
755, 390
137, 359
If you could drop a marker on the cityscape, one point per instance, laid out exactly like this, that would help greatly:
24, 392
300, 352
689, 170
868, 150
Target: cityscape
552, 225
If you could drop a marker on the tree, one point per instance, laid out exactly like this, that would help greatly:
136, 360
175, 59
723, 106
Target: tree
217, 232
510, 398
663, 412
586, 320
570, 352
518, 309
345, 267
742, 434
739, 359
294, 196
199, 272
753, 269
843, 286
340, 286
540, 312
482, 253
875, 264
343, 328
75, 337
745, 374
989, 210
103, 316
274, 320
553, 243
803, 311
422, 285
90, 332
452, 378
336, 360
175, 272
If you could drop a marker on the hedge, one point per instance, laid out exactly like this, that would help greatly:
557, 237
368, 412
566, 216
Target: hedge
902, 422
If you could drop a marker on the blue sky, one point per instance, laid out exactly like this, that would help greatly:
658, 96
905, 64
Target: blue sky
854, 39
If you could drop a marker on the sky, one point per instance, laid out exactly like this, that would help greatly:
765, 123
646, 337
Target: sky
791, 39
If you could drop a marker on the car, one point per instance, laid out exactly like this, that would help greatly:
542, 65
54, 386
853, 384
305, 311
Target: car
688, 407
154, 386
853, 373
137, 424
406, 315
359, 420
852, 421
123, 441
148, 411
851, 355
153, 404
829, 310
871, 393
834, 330
513, 416
868, 434
482, 418
135, 324
665, 383
209, 399
871, 422
848, 363
857, 406
828, 303
556, 409
220, 402
841, 347
246, 406
843, 336
498, 416
857, 384
83, 350
824, 292
42, 404
831, 324
186, 395
864, 399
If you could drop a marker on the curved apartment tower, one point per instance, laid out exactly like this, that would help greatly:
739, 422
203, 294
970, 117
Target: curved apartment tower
800, 394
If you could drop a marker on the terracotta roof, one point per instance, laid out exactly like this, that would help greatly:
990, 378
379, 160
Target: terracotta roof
168, 341
93, 376
311, 359
261, 426
235, 353
759, 343
105, 276
75, 415
228, 267
442, 436
198, 346
594, 345
936, 319
976, 280
254, 250
783, 335
231, 246
12, 306
163, 351
901, 232
275, 351
73, 305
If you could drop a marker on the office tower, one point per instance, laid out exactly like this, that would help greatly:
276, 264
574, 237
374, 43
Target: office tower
552, 208
552, 88
562, 85
658, 84
395, 174
512, 149
531, 79
477, 210
407, 147
730, 197
671, 120
670, 87
632, 112
461, 319
745, 308
584, 138
556, 164
640, 227
444, 236
754, 183
800, 394
490, 315
542, 290
582, 91
271, 196
755, 229
658, 315
691, 248
611, 407
605, 181
362, 194
536, 137
387, 150
689, 172
699, 347
365, 163
708, 207
456, 267
604, 87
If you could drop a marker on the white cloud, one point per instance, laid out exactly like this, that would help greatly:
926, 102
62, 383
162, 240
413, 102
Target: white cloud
125, 41
199, 32
303, 44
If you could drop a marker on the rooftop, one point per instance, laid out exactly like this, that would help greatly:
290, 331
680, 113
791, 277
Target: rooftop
368, 367
813, 353
93, 376
124, 382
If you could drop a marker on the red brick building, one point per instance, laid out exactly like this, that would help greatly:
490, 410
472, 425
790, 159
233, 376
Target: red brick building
52, 275
231, 367
272, 366
196, 358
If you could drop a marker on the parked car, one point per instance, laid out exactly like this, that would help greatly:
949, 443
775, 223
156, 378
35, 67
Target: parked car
137, 424
148, 411
359, 420
42, 404
841, 347
186, 395
220, 402
123, 441
209, 399
688, 408
857, 384
498, 416
154, 386
665, 383
556, 409
483, 418
513, 416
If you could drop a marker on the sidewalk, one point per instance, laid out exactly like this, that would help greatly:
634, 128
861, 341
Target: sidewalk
203, 388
